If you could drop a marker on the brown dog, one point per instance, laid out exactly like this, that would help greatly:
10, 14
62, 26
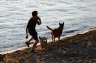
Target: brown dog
43, 42
56, 32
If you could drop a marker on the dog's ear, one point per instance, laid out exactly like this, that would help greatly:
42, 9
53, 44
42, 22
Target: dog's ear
39, 37
59, 23
63, 23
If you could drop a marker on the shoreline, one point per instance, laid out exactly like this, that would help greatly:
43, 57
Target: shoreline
62, 37
80, 47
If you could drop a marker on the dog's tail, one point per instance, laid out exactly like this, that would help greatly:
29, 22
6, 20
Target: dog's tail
49, 28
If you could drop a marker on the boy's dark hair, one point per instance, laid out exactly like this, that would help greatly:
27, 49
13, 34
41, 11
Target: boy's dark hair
34, 13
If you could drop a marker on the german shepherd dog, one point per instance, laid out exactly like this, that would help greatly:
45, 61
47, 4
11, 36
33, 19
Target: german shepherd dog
56, 32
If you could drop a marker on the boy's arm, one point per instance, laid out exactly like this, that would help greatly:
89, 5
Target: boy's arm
27, 29
27, 32
39, 20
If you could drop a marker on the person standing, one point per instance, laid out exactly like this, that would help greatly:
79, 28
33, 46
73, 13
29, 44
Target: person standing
31, 29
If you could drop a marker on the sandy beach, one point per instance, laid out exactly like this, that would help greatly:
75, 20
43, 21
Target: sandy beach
80, 48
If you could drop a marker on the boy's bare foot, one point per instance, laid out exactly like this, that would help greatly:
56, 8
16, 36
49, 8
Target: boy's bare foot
27, 43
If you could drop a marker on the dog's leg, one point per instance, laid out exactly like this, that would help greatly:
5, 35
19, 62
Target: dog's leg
59, 38
52, 37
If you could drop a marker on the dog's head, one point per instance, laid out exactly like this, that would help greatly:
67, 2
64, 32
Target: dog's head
43, 42
61, 24
43, 39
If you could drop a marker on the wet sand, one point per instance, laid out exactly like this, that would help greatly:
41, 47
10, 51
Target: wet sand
80, 48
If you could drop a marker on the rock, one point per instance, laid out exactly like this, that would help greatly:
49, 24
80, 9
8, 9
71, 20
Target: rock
2, 57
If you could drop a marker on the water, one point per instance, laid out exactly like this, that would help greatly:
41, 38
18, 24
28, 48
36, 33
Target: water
78, 16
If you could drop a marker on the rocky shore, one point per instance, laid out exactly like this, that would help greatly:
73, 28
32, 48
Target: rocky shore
80, 48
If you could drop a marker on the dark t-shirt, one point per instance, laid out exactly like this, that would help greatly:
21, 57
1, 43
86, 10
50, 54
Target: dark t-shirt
31, 27
32, 23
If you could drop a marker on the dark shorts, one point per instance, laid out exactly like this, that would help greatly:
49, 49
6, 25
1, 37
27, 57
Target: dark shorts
33, 33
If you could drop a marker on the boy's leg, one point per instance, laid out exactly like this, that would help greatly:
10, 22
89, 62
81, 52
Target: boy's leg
34, 45
36, 40
28, 42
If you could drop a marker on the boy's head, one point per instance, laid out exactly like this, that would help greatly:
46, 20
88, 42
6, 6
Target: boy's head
34, 13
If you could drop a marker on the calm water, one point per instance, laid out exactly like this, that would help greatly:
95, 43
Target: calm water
78, 15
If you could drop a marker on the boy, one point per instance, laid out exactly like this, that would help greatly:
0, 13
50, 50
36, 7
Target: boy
31, 29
